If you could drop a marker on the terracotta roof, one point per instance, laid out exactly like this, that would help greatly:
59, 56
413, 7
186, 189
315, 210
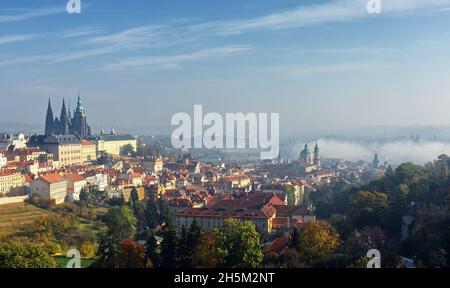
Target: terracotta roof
9, 172
74, 177
87, 143
52, 178
27, 178
277, 245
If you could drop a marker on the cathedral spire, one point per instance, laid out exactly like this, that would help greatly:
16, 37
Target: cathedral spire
79, 108
49, 120
64, 121
69, 112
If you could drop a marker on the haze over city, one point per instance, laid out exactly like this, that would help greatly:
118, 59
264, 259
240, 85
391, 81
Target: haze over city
323, 65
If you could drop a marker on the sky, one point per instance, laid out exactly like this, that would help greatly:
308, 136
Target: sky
322, 65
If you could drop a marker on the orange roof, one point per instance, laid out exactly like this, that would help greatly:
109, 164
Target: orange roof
9, 172
86, 143
52, 178
135, 175
27, 178
75, 177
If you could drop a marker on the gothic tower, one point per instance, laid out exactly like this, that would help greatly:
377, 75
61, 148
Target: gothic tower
64, 120
49, 120
79, 121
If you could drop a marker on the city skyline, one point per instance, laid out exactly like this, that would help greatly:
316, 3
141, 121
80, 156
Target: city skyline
256, 56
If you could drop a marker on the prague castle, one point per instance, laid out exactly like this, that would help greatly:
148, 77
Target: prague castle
66, 124
70, 140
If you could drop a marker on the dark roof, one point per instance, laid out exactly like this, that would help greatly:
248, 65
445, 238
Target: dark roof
62, 139
112, 137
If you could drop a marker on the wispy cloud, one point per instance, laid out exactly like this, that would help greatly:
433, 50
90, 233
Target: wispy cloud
9, 39
331, 12
300, 71
29, 14
80, 32
174, 34
174, 61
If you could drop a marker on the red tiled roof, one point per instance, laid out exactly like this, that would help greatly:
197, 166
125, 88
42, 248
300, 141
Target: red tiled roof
74, 177
277, 245
52, 178
9, 172
27, 178
87, 143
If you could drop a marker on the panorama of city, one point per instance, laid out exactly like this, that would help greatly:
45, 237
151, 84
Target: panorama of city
225, 134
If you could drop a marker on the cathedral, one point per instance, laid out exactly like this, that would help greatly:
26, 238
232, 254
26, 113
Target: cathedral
68, 124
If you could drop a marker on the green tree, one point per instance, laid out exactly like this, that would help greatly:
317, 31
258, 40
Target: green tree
121, 223
24, 255
151, 214
151, 251
290, 194
127, 150
165, 215
134, 198
369, 208
108, 253
238, 243
169, 247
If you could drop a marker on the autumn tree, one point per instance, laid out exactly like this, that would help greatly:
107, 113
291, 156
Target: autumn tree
206, 254
131, 255
316, 241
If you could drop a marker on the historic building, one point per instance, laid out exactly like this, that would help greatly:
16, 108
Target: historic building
112, 143
308, 161
67, 123
53, 187
12, 183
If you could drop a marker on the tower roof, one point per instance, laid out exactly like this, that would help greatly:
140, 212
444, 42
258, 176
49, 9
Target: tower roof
79, 104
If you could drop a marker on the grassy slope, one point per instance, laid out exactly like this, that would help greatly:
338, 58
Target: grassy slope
14, 217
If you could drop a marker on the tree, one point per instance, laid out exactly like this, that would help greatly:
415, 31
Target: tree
127, 150
108, 253
290, 194
131, 255
369, 208
165, 215
169, 247
238, 243
182, 249
24, 255
316, 241
206, 254
151, 214
121, 223
151, 254
87, 250
188, 242
134, 198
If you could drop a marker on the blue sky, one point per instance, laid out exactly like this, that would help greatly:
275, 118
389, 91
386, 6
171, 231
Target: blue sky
321, 64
